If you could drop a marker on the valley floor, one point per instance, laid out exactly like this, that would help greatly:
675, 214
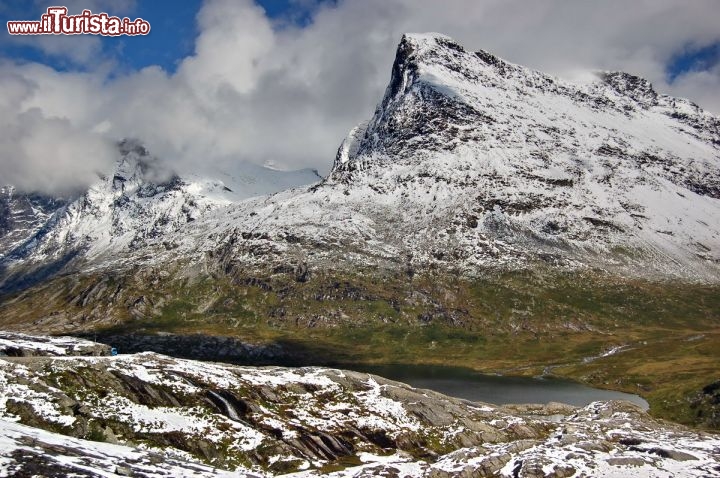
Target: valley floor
654, 339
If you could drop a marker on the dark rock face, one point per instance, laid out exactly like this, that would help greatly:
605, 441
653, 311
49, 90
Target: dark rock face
706, 405
402, 70
639, 89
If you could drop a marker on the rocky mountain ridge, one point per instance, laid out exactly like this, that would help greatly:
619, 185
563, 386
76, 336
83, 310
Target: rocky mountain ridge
141, 202
561, 170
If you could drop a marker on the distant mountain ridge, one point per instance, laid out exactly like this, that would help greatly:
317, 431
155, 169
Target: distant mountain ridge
21, 215
139, 201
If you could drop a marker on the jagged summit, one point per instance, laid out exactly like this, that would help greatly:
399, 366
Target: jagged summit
438, 87
639, 89
539, 160
136, 167
412, 69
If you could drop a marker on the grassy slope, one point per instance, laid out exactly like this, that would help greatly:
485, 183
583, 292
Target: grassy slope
516, 323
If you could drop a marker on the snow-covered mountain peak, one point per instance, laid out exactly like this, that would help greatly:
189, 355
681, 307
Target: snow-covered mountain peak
442, 97
136, 173
137, 167
468, 161
140, 199
537, 159
140, 203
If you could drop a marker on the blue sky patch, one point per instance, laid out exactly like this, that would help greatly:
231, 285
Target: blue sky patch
172, 38
693, 59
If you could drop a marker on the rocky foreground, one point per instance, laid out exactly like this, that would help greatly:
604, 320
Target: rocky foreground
150, 415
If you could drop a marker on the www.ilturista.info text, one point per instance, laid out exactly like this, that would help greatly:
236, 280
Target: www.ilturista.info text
57, 22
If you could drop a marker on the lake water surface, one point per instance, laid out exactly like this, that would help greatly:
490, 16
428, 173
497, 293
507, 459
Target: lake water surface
496, 389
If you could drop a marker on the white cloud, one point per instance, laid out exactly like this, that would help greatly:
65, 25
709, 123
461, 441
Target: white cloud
45, 153
701, 86
271, 92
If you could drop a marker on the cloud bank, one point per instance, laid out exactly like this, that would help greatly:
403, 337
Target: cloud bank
272, 92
